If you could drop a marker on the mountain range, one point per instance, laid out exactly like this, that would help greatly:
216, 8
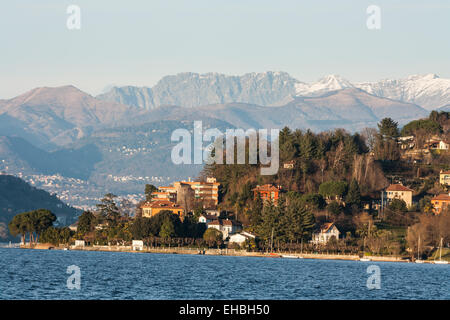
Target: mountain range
120, 140
272, 89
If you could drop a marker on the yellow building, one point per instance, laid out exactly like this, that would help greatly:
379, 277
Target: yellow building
440, 203
150, 209
444, 177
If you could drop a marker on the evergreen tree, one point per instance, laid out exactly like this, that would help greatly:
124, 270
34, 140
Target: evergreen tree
353, 197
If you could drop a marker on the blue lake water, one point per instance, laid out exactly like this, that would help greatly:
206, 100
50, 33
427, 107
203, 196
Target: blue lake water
41, 274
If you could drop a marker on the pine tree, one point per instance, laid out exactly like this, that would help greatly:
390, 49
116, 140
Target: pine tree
353, 197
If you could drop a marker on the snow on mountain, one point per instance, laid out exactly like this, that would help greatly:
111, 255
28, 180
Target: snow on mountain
273, 89
324, 85
428, 91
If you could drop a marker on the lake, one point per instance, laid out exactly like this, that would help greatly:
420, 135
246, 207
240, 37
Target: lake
42, 274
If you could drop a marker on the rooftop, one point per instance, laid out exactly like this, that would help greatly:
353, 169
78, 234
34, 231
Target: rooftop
398, 187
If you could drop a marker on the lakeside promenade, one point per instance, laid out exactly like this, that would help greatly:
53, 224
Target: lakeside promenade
219, 252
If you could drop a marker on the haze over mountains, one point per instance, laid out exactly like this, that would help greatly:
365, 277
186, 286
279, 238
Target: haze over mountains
79, 146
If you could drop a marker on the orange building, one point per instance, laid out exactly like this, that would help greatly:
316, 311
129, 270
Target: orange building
267, 192
150, 209
440, 203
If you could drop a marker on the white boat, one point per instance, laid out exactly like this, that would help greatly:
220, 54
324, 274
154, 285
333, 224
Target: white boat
287, 256
440, 261
419, 261
365, 259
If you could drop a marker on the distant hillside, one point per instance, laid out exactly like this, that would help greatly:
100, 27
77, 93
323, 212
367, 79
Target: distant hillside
18, 155
49, 117
350, 108
17, 196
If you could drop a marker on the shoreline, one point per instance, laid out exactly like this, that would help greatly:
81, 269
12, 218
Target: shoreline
224, 252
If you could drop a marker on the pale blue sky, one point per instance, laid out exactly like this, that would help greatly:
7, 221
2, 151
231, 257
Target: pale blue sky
138, 42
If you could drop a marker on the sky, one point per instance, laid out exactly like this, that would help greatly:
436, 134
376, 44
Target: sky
136, 42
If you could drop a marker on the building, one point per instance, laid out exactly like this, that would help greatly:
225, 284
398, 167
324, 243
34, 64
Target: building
167, 193
137, 245
240, 238
227, 227
206, 191
160, 195
444, 177
152, 208
438, 144
444, 145
440, 203
80, 243
206, 218
324, 234
289, 164
74, 226
399, 191
267, 192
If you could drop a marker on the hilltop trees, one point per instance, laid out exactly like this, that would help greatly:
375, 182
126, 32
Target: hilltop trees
388, 128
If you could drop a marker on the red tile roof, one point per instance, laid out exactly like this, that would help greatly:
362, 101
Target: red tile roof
398, 187
266, 187
442, 197
160, 204
326, 226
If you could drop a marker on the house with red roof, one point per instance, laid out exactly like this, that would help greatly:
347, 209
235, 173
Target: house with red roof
440, 203
267, 192
399, 191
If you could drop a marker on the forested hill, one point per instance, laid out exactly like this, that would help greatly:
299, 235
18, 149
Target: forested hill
17, 196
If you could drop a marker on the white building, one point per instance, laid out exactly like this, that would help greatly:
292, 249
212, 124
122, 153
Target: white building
137, 245
206, 218
444, 145
324, 234
79, 243
240, 238
227, 227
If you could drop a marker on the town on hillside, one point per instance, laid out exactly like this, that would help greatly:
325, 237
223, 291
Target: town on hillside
381, 192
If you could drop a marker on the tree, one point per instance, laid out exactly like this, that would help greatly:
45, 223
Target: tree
388, 128
167, 229
86, 222
108, 209
18, 226
32, 222
149, 189
353, 197
212, 236
333, 189
42, 219
398, 205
